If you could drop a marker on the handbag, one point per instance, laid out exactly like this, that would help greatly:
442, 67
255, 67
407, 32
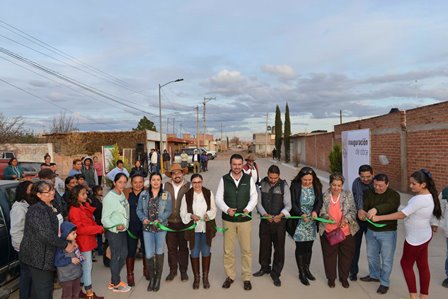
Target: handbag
335, 236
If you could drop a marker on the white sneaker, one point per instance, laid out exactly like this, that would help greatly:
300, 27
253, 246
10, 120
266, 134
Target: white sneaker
122, 287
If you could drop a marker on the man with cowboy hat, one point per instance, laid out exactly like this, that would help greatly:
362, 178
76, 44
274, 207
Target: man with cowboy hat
177, 245
251, 168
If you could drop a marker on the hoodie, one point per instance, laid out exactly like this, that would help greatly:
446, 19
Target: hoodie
67, 271
90, 173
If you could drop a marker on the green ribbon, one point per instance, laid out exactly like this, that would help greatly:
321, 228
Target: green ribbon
167, 229
301, 217
218, 229
375, 224
242, 215
128, 231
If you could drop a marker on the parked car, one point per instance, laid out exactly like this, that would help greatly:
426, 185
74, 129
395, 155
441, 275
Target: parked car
30, 169
9, 260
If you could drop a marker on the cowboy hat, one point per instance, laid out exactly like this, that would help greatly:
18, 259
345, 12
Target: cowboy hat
175, 167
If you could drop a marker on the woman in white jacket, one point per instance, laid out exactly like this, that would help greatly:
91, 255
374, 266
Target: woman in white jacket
18, 211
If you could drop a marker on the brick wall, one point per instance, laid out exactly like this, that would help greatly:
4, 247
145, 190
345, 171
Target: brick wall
318, 148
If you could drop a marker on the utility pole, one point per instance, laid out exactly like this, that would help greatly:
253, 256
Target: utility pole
197, 126
220, 143
206, 100
266, 138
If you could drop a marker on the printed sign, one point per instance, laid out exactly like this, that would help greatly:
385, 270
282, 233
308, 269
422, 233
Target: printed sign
355, 152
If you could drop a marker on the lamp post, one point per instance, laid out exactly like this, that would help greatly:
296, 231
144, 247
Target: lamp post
160, 119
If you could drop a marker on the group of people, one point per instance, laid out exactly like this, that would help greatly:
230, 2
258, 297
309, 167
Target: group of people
51, 231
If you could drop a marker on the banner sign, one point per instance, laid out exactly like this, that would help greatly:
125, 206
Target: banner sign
355, 152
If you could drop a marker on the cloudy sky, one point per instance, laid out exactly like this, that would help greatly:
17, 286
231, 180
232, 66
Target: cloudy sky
102, 61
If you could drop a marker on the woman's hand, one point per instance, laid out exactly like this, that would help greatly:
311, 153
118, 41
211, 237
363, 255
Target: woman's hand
343, 223
121, 227
305, 218
146, 221
206, 218
195, 218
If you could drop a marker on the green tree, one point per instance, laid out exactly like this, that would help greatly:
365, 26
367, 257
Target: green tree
286, 135
113, 163
335, 158
145, 124
278, 132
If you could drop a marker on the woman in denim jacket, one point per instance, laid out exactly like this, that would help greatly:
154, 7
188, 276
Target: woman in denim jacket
154, 207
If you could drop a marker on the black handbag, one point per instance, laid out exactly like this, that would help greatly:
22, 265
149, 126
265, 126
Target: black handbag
291, 225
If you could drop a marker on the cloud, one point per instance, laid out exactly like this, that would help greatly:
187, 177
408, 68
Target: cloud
282, 71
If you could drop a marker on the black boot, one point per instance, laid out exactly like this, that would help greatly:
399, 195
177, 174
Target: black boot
301, 265
307, 267
150, 263
159, 269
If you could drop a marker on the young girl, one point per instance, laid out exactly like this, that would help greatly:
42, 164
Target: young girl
419, 214
81, 215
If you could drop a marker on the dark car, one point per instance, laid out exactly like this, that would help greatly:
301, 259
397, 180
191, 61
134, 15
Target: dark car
9, 260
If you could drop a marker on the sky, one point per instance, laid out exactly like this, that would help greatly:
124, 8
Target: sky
103, 61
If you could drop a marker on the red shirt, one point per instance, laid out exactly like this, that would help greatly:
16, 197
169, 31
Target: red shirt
87, 229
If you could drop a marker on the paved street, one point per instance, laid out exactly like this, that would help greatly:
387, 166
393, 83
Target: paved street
262, 286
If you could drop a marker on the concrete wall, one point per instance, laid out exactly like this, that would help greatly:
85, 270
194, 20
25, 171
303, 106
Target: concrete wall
29, 152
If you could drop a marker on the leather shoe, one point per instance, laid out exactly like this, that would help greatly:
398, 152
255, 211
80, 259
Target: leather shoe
247, 285
227, 283
331, 283
345, 284
369, 279
261, 272
353, 277
171, 276
183, 276
276, 279
382, 289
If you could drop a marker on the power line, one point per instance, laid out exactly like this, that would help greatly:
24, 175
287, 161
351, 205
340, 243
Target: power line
103, 75
68, 79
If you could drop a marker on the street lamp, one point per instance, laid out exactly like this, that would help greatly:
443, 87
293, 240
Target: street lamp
160, 119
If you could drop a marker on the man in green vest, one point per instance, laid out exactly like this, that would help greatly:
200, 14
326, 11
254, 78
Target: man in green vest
237, 196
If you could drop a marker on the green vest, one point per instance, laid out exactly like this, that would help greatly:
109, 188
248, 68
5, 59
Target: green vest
236, 197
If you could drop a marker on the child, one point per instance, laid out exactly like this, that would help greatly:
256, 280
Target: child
68, 264
81, 214
97, 202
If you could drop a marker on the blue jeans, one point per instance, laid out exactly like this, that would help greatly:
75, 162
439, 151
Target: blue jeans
86, 278
118, 244
446, 261
381, 244
99, 240
154, 243
200, 246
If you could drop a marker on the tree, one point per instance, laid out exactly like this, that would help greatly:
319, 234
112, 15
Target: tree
335, 158
145, 124
63, 123
12, 130
286, 135
278, 132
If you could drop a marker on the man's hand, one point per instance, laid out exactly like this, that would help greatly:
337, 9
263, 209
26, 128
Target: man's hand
231, 212
372, 212
269, 217
246, 211
278, 218
362, 215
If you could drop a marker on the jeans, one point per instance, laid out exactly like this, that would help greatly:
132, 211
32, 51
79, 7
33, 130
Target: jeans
200, 246
86, 278
381, 244
25, 282
154, 243
133, 244
118, 251
446, 261
99, 241
354, 269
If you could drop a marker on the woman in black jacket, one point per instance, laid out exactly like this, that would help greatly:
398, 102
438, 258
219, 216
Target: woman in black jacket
306, 198
40, 240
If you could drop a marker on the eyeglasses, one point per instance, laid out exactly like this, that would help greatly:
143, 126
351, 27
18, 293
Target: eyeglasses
306, 171
49, 191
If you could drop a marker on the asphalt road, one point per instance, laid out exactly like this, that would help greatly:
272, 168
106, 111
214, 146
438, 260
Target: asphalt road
263, 286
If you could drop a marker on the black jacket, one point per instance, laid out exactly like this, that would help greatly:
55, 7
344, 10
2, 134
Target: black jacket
40, 237
296, 191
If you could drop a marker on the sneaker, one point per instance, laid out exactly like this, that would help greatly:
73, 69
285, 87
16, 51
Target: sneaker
122, 287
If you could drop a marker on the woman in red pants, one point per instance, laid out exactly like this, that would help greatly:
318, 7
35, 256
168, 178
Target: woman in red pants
419, 213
